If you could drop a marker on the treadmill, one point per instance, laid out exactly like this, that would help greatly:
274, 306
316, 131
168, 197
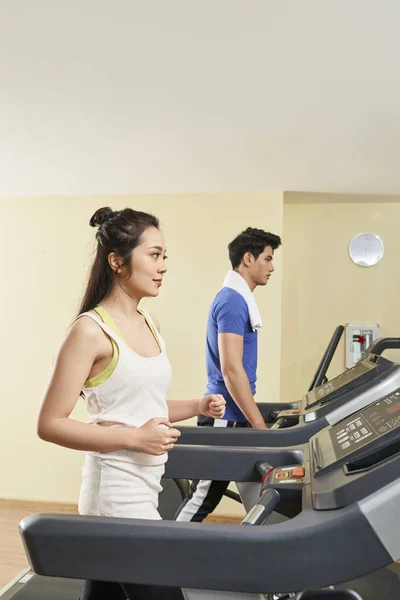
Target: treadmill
341, 491
371, 378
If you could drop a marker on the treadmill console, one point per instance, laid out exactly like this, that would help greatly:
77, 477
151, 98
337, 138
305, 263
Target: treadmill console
361, 372
357, 456
369, 424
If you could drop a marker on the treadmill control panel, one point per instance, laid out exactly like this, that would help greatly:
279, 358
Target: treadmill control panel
321, 392
289, 472
288, 476
341, 380
371, 423
293, 412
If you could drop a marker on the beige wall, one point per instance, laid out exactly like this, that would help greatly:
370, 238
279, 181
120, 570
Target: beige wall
323, 288
46, 250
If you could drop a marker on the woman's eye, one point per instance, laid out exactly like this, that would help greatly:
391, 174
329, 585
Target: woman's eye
156, 254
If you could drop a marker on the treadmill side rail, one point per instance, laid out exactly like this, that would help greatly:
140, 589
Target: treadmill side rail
340, 545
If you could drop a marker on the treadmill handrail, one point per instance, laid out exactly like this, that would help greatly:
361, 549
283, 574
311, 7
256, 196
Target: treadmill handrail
232, 436
198, 462
326, 359
250, 559
379, 345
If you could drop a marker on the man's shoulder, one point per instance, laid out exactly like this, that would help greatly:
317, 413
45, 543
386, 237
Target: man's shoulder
229, 299
227, 294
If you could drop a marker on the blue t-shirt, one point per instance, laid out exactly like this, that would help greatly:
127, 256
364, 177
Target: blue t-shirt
229, 314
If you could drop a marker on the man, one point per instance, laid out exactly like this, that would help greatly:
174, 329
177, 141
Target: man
231, 352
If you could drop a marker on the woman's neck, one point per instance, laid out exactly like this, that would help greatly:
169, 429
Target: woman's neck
119, 302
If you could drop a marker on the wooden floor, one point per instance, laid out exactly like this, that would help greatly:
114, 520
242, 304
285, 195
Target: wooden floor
12, 554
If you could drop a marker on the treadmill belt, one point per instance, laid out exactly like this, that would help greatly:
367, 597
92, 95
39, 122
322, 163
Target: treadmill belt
383, 584
45, 588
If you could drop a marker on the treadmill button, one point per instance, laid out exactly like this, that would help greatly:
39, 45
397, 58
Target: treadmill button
298, 472
282, 475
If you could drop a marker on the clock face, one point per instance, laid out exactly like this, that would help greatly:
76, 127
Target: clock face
366, 249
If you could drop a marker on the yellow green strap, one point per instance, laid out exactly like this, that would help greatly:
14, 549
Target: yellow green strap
151, 327
108, 320
105, 374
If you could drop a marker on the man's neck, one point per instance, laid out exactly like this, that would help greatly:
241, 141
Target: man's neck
243, 273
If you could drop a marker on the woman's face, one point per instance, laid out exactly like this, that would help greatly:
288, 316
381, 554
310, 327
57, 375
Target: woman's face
147, 265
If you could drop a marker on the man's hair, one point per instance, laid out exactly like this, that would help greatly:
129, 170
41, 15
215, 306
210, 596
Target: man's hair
251, 240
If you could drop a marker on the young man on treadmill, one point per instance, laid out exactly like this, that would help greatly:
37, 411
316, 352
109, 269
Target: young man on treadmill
231, 353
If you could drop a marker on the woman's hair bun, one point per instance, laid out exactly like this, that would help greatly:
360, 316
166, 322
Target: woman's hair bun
101, 215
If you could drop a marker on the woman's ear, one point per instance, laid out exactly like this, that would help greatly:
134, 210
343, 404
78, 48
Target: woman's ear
115, 262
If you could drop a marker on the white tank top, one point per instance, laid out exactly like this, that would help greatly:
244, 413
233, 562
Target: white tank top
135, 392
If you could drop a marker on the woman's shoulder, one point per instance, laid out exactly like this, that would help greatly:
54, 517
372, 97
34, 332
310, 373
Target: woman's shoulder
86, 328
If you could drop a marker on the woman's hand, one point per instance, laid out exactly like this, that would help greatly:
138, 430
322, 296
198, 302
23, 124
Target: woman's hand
156, 437
212, 406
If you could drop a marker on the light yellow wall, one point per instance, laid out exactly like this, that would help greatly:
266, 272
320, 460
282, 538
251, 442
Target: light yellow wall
46, 248
323, 288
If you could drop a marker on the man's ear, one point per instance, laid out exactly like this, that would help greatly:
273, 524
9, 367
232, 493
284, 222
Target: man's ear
248, 259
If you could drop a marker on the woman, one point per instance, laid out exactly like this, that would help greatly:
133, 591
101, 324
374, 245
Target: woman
115, 357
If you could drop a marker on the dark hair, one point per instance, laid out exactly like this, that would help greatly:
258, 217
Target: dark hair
251, 240
119, 231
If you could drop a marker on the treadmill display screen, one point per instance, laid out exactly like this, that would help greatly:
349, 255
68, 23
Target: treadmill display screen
369, 424
393, 409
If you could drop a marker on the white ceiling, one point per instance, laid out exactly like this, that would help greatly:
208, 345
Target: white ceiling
137, 96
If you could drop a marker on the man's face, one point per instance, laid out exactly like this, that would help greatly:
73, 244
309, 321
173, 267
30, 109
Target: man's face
262, 267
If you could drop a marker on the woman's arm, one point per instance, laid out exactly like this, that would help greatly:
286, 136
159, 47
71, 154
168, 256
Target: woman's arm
82, 347
210, 406
180, 410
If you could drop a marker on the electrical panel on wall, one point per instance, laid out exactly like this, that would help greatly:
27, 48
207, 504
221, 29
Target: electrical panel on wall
358, 337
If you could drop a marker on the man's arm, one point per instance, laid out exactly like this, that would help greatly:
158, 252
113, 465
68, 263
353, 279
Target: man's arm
230, 346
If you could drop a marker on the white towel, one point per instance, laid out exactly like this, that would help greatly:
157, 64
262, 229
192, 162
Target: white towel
236, 282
